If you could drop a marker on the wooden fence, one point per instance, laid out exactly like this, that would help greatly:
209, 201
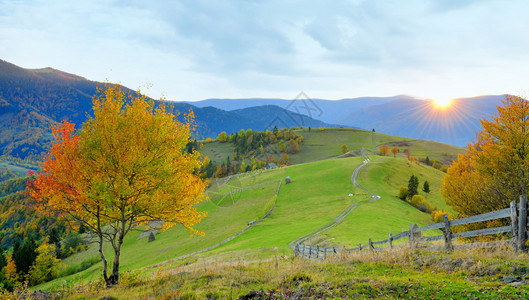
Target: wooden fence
517, 229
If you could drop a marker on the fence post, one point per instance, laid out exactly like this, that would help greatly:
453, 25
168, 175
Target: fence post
360, 248
324, 253
522, 222
410, 237
390, 240
514, 226
371, 245
296, 250
317, 251
447, 234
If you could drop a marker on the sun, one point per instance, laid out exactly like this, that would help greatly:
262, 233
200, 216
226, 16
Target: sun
442, 102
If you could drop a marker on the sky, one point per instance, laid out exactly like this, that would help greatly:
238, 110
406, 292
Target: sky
194, 50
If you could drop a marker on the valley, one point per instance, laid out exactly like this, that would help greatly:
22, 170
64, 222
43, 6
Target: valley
319, 191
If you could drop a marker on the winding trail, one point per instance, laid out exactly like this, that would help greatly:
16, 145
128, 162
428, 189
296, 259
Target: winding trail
340, 217
292, 245
248, 227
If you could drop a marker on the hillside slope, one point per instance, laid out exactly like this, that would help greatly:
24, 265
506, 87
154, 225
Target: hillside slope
32, 100
318, 193
325, 143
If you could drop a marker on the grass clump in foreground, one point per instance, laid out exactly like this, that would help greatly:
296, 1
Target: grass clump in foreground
403, 273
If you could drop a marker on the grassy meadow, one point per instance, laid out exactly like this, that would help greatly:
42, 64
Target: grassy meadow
400, 274
325, 143
320, 190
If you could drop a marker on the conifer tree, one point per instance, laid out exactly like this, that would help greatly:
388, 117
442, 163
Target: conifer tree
413, 184
426, 187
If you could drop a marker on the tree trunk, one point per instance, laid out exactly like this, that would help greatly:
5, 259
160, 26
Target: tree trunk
114, 278
103, 260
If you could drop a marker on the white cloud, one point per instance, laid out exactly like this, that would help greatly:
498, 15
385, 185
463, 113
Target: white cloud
200, 49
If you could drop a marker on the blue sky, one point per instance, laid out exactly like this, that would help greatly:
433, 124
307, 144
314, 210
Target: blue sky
193, 50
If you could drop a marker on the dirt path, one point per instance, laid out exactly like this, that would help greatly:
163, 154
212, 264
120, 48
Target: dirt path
340, 217
354, 178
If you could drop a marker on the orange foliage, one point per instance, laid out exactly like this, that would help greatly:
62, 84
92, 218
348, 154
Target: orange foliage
125, 167
394, 151
495, 169
383, 150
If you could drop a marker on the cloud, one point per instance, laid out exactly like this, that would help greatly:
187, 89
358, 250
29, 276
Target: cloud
200, 49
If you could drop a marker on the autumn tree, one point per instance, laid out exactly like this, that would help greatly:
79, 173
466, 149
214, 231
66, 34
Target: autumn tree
344, 148
495, 169
394, 151
408, 154
46, 265
222, 137
126, 166
383, 150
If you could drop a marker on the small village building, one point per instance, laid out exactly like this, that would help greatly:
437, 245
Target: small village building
271, 166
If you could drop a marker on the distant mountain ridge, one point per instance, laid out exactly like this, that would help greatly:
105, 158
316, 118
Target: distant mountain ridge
399, 115
32, 100
457, 124
329, 111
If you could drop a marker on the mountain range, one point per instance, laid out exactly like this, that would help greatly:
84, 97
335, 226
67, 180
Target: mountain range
31, 100
456, 124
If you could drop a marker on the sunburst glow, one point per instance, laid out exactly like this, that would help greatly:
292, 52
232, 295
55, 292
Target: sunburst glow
442, 102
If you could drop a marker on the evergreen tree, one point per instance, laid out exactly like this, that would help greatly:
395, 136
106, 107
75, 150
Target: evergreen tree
25, 256
427, 161
3, 260
82, 228
426, 187
210, 169
413, 184
55, 239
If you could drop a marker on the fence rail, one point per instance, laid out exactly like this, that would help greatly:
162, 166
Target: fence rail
517, 228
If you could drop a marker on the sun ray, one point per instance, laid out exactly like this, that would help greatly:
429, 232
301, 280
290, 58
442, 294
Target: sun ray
442, 102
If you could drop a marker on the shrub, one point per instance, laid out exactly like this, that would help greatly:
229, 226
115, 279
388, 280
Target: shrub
438, 215
70, 243
403, 193
421, 204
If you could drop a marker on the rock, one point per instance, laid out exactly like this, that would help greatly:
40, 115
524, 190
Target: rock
517, 283
509, 279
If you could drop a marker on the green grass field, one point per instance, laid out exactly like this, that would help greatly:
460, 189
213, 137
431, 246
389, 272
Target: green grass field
383, 176
325, 143
400, 274
319, 192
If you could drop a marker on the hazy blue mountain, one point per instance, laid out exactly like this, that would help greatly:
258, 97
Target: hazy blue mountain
32, 100
457, 124
329, 111
399, 115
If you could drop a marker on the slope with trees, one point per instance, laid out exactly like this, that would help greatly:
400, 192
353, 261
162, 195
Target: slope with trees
126, 167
